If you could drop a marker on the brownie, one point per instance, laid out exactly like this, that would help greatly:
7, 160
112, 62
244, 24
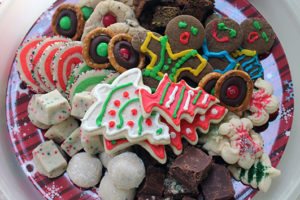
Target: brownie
177, 190
152, 197
191, 167
218, 185
154, 182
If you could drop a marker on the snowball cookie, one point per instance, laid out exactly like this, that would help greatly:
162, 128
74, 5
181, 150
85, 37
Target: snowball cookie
108, 191
84, 170
105, 157
126, 170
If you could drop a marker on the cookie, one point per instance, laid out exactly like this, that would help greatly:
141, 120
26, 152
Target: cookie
259, 176
258, 35
32, 111
208, 82
262, 103
107, 190
176, 101
81, 103
234, 90
87, 7
68, 21
72, 144
129, 26
126, 171
65, 59
117, 113
49, 160
105, 157
95, 48
107, 13
122, 56
84, 170
91, 144
175, 53
59, 132
24, 62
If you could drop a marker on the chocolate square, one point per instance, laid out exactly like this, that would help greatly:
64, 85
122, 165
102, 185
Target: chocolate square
175, 189
152, 197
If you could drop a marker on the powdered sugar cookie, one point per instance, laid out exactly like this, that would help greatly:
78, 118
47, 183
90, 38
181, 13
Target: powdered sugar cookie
84, 170
262, 103
24, 62
32, 111
107, 13
81, 103
259, 176
66, 58
126, 171
105, 157
117, 113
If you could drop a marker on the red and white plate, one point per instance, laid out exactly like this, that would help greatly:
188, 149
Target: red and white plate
25, 136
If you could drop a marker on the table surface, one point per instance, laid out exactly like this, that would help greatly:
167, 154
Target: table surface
16, 17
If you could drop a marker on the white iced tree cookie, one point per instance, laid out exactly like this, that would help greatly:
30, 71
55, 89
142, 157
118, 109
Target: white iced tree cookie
262, 103
259, 176
244, 144
117, 112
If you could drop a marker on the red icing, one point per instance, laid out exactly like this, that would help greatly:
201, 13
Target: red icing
232, 92
63, 74
134, 112
158, 150
259, 100
110, 146
125, 94
117, 103
130, 123
125, 53
149, 122
137, 91
184, 38
108, 20
214, 33
111, 124
252, 37
149, 101
112, 113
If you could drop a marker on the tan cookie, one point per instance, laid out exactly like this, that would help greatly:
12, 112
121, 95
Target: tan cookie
122, 55
130, 27
68, 21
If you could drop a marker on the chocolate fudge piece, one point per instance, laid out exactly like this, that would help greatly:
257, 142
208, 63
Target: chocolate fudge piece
191, 167
177, 190
154, 182
218, 185
152, 197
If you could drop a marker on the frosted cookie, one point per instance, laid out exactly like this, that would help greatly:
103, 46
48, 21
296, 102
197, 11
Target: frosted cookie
81, 103
107, 13
72, 144
37, 54
65, 59
24, 62
32, 111
107, 191
84, 170
262, 103
105, 157
44, 65
117, 113
245, 145
126, 171
59, 132
49, 160
91, 144
86, 81
129, 26
52, 108
259, 176
68, 21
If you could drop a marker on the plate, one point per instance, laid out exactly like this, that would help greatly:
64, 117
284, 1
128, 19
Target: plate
25, 136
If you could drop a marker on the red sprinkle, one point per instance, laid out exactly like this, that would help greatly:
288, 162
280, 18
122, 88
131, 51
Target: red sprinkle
125, 53
130, 123
149, 122
112, 113
117, 103
108, 20
112, 124
125, 94
232, 92
134, 112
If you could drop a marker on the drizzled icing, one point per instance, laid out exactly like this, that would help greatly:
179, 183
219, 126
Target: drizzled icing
172, 97
123, 124
187, 103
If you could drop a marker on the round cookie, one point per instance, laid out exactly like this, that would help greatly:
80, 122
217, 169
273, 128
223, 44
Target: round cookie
185, 32
107, 190
258, 35
105, 158
208, 82
95, 48
223, 34
234, 90
84, 170
107, 13
68, 21
122, 55
126, 171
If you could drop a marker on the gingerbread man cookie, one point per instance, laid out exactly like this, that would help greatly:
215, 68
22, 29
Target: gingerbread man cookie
175, 53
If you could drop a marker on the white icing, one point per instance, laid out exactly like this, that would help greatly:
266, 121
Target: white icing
172, 97
187, 103
214, 111
173, 135
202, 118
205, 99
188, 131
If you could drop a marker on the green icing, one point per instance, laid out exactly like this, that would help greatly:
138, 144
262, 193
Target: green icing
242, 173
164, 94
256, 25
182, 25
140, 125
179, 103
251, 173
194, 30
232, 32
114, 142
100, 117
122, 109
102, 49
169, 61
86, 12
166, 67
212, 92
197, 97
159, 131
265, 37
260, 172
65, 23
83, 85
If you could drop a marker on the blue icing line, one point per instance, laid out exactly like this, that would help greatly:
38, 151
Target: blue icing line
249, 65
222, 54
